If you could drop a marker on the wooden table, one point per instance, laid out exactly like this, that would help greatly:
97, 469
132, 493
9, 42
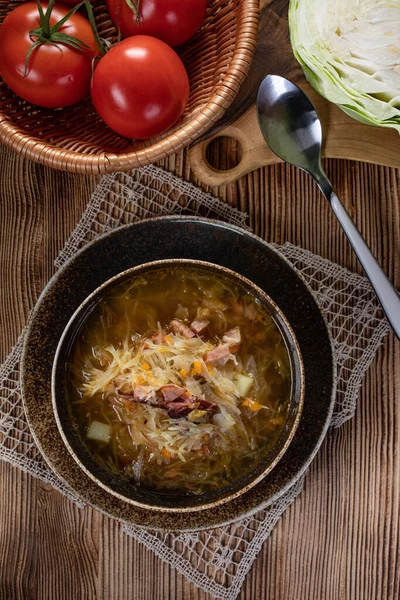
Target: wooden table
340, 539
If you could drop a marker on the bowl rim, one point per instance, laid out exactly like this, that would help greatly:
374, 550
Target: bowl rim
297, 385
57, 157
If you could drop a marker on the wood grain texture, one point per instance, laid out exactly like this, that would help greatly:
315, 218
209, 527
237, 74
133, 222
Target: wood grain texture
340, 539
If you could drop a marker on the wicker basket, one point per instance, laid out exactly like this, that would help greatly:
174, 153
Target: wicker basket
75, 139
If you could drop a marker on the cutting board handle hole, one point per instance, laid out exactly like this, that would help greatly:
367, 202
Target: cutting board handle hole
224, 153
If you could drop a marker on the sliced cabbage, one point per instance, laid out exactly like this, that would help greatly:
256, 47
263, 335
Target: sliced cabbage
350, 53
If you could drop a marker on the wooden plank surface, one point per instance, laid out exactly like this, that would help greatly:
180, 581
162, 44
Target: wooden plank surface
340, 538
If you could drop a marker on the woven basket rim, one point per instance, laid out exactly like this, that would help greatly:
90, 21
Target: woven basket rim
107, 162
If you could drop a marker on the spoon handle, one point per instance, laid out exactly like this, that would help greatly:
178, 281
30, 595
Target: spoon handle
388, 297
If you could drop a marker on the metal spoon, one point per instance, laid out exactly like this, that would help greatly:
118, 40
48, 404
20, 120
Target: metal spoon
292, 129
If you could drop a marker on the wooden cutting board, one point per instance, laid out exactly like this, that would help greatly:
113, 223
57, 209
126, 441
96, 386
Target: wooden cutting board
344, 137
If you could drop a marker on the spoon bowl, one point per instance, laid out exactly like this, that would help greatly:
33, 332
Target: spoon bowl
290, 122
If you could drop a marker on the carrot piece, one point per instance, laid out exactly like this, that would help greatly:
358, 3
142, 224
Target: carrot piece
197, 367
183, 373
168, 339
146, 366
253, 405
166, 453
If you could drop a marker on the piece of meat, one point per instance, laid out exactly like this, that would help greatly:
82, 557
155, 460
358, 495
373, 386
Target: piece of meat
176, 400
143, 394
233, 338
208, 406
159, 337
177, 326
199, 325
217, 354
182, 406
171, 392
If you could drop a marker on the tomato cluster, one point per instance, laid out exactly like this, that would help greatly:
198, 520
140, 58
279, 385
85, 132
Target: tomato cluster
52, 56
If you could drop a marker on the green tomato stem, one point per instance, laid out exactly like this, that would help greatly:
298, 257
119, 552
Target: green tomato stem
92, 22
47, 34
134, 5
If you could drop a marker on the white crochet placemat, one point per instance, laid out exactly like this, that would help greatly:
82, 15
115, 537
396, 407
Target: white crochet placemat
219, 559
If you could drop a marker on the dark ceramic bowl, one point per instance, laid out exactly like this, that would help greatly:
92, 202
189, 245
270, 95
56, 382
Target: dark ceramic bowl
194, 239
127, 489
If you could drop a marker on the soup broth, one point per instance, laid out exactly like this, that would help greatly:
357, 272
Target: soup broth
179, 380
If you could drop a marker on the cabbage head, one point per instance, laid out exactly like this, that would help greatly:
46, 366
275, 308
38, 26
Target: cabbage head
350, 53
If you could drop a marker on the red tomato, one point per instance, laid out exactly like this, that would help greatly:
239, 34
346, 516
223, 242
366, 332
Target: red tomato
58, 75
173, 21
140, 87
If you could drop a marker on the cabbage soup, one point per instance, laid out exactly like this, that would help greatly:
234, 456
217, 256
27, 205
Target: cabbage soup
179, 380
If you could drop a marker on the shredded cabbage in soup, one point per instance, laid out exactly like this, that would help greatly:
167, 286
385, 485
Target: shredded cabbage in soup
180, 381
